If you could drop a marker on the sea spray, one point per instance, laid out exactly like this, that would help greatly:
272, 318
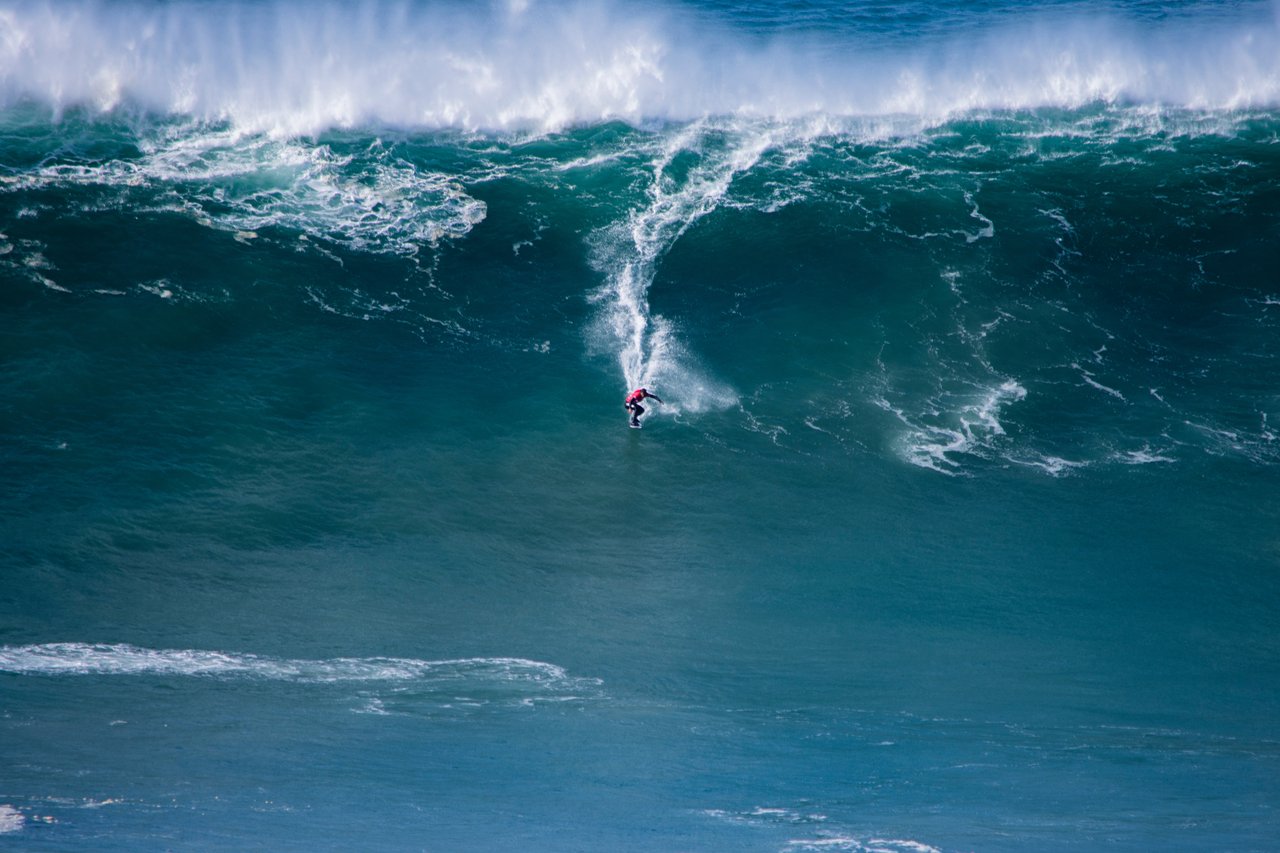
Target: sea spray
289, 68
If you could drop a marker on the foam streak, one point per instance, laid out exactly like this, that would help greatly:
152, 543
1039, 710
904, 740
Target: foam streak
125, 659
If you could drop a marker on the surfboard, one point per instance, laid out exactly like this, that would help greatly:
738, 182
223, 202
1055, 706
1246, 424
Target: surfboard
635, 425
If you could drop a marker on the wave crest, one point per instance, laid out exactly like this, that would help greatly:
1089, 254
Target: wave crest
293, 68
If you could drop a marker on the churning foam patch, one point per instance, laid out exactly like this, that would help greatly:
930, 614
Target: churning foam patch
245, 183
824, 839
290, 68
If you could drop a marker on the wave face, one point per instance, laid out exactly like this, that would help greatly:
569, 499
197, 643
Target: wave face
287, 67
986, 282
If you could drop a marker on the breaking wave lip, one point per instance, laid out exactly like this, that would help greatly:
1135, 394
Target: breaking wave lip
123, 659
292, 68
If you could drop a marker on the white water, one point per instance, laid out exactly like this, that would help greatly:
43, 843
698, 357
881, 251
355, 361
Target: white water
11, 819
287, 67
954, 424
245, 183
124, 659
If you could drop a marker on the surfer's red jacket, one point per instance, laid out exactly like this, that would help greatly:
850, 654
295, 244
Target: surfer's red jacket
637, 395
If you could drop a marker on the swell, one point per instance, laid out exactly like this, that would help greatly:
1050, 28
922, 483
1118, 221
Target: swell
289, 68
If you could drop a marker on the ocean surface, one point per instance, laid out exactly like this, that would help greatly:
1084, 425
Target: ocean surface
957, 529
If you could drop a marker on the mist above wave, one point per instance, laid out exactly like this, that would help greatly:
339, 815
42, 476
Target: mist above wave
287, 67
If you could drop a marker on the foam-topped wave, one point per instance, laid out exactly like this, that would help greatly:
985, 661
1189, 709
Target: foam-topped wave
290, 67
81, 659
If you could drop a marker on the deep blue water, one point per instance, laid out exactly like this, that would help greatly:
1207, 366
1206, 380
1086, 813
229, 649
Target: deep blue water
321, 526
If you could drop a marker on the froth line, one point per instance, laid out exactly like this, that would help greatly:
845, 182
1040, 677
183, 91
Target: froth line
125, 659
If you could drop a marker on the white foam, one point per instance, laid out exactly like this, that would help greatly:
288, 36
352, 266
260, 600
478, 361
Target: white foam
1054, 466
826, 839
11, 820
954, 424
1223, 441
857, 845
905, 844
83, 659
158, 288
1089, 380
26, 257
988, 228
760, 815
97, 804
628, 253
1145, 456
289, 67
245, 182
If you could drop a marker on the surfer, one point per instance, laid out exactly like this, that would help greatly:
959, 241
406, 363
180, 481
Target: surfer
633, 404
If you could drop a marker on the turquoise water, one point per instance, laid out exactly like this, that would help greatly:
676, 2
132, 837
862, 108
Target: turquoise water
323, 528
